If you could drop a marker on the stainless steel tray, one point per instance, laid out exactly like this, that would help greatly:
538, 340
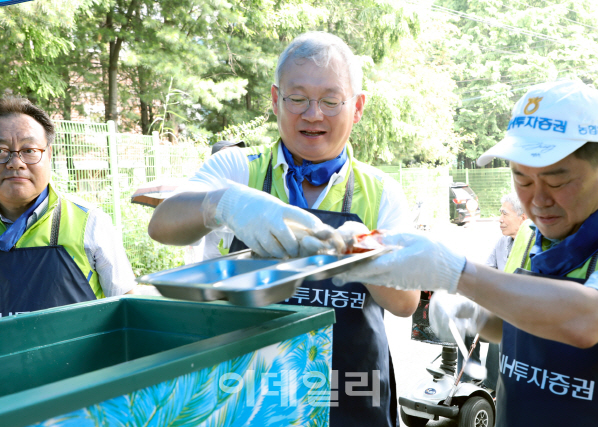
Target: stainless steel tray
250, 282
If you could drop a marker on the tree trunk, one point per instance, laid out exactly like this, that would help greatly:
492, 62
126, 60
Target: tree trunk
112, 112
67, 103
172, 135
104, 89
115, 46
145, 123
151, 113
248, 101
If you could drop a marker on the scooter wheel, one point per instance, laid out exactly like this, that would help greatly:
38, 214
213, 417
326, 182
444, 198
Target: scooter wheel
411, 421
476, 412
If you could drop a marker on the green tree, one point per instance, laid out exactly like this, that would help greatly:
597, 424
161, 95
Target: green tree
33, 36
508, 46
410, 105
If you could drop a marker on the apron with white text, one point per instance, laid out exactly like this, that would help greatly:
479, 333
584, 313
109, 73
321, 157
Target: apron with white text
363, 382
543, 382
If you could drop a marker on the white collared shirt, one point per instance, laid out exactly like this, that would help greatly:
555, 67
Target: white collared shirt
103, 247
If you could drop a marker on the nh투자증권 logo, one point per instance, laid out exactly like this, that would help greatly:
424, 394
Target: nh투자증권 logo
534, 104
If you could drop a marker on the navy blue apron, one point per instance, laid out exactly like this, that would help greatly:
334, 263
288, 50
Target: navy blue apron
41, 277
359, 343
543, 382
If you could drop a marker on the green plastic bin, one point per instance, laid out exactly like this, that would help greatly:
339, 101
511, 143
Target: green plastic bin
136, 360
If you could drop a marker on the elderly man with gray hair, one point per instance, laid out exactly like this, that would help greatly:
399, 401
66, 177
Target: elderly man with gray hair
511, 218
309, 177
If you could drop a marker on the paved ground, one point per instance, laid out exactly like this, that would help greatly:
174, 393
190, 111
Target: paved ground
411, 357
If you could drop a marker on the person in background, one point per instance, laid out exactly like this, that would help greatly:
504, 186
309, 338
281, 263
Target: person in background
54, 249
546, 314
317, 97
511, 218
211, 246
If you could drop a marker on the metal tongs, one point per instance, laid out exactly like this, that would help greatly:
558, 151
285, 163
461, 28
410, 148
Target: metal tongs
471, 368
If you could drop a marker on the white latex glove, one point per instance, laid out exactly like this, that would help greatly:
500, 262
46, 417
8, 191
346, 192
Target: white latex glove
262, 221
350, 229
468, 316
414, 263
333, 242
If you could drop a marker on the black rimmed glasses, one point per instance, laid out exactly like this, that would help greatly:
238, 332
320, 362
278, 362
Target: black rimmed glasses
299, 104
29, 156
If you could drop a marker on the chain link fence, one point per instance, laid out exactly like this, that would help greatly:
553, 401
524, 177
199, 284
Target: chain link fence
427, 191
488, 184
103, 167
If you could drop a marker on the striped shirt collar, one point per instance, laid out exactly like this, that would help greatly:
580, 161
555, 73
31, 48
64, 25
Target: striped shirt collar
37, 213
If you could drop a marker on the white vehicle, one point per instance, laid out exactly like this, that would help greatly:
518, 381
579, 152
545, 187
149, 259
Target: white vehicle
443, 395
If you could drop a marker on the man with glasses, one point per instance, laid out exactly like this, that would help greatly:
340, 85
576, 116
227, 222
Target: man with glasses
53, 250
317, 98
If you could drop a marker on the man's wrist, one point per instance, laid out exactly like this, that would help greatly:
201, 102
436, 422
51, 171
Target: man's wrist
466, 285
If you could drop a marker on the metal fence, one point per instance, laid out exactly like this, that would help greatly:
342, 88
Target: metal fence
427, 186
430, 186
105, 168
488, 184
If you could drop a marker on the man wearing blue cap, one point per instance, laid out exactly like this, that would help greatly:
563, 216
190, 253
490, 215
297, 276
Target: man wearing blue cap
305, 180
546, 314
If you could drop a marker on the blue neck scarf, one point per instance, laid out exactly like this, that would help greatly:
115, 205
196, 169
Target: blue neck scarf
569, 254
10, 237
316, 174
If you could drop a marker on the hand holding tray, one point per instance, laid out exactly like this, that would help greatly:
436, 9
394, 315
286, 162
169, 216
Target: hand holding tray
250, 282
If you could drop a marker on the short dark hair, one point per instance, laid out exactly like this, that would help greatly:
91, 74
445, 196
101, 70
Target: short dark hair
10, 105
589, 152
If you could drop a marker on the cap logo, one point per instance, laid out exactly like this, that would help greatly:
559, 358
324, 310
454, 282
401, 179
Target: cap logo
535, 102
535, 149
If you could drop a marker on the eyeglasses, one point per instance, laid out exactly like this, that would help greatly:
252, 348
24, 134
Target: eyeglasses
299, 104
29, 156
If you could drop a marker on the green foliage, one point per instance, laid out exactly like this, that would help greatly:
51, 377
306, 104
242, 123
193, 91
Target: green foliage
441, 77
33, 36
145, 254
249, 132
148, 256
409, 109
507, 46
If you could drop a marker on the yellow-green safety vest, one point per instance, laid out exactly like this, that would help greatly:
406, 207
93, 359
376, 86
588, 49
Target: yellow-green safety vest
73, 218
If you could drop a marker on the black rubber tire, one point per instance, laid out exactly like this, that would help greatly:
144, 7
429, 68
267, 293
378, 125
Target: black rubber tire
476, 412
411, 421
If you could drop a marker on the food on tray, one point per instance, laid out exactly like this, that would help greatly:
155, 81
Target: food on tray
365, 242
350, 238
